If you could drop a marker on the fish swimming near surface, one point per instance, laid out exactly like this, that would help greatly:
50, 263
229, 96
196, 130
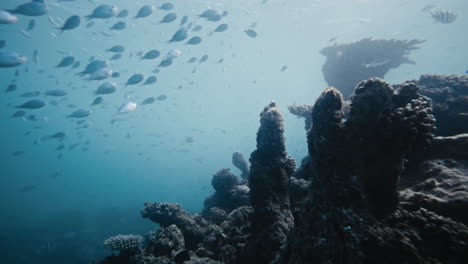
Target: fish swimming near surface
284, 68
190, 139
151, 55
251, 33
103, 12
119, 26
127, 108
32, 104
7, 17
116, 56
192, 60
106, 88
100, 74
204, 58
115, 75
211, 15
180, 35
377, 63
98, 100
145, 11
151, 80
30, 94
123, 14
221, 28
194, 40
93, 66
71, 23
148, 100
443, 16
183, 20
117, 49
11, 88
65, 62
161, 97
174, 53
165, 63
80, 113
11, 59
59, 136
197, 28
17, 114
167, 6
33, 8
31, 25
56, 92
135, 79
169, 18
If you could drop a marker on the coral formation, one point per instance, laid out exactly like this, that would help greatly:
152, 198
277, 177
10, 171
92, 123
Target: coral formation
348, 64
375, 187
304, 111
449, 96
125, 244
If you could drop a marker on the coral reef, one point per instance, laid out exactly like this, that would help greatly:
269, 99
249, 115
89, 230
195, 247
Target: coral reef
348, 64
304, 111
375, 187
449, 96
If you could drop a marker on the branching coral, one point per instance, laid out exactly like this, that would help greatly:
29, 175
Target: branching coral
241, 163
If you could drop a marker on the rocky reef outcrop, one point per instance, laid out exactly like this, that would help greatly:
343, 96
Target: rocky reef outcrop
381, 184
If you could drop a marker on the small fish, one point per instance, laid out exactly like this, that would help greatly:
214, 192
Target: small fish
98, 100
169, 18
166, 62
32, 104
71, 23
119, 26
7, 17
197, 28
100, 74
443, 16
124, 13
221, 60
115, 75
190, 139
52, 20
377, 63
31, 25
145, 11
11, 59
18, 114
166, 6
67, 61
11, 88
204, 58
194, 41
284, 68
56, 92
116, 56
192, 60
76, 65
211, 15
151, 55
80, 113
33, 8
251, 33
30, 94
174, 53
59, 136
180, 35
3, 44
161, 97
93, 66
127, 108
106, 88
135, 79
148, 100
221, 28
36, 56
117, 49
103, 12
183, 20
151, 80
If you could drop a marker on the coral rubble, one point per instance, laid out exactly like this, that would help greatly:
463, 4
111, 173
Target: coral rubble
375, 187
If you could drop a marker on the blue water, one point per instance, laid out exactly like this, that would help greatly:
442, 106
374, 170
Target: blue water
101, 185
